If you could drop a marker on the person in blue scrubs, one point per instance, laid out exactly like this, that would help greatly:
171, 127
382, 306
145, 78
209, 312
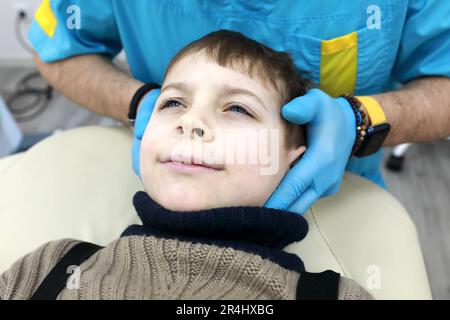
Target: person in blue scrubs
397, 52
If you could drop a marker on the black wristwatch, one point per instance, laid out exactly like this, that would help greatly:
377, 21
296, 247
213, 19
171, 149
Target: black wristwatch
373, 140
137, 97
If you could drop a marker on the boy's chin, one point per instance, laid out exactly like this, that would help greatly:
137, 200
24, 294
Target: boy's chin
174, 202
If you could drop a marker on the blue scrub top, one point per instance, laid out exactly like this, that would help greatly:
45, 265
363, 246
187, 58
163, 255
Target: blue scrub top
411, 40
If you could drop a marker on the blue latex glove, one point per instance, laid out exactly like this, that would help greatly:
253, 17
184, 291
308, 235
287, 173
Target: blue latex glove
143, 115
331, 133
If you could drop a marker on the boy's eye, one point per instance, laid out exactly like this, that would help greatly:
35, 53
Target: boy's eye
239, 109
171, 104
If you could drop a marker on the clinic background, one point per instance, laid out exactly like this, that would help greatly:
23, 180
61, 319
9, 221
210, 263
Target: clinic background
31, 111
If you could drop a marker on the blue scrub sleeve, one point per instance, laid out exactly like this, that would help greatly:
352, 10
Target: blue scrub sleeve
425, 42
65, 28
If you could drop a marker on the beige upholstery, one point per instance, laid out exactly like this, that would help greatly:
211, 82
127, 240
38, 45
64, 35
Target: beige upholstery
79, 184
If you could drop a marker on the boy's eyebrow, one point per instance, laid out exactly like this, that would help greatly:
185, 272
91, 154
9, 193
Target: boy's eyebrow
177, 85
228, 90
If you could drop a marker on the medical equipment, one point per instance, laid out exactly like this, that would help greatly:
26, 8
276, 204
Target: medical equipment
30, 98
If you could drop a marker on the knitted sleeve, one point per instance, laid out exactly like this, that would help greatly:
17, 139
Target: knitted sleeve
23, 278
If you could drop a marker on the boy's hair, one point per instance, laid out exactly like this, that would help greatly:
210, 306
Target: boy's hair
233, 50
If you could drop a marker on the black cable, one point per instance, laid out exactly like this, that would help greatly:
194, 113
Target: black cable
41, 95
18, 32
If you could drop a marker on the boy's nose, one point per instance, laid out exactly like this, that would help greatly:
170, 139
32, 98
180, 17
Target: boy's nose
194, 128
195, 131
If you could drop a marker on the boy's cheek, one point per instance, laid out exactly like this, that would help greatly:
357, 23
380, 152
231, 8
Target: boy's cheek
148, 155
145, 147
150, 129
155, 133
258, 186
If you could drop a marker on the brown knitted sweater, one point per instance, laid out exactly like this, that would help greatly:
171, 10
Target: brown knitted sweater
225, 253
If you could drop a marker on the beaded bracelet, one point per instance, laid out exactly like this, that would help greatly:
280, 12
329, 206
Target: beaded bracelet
362, 121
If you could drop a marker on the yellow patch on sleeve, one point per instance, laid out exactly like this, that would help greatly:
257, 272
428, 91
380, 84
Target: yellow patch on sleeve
46, 18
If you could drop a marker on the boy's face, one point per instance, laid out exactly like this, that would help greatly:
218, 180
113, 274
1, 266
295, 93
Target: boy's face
215, 139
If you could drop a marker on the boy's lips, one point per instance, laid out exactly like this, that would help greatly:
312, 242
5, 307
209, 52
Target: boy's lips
189, 164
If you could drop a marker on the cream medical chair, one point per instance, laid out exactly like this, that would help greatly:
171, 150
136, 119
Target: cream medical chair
79, 184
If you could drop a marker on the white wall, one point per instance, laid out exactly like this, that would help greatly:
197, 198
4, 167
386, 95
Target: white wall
10, 50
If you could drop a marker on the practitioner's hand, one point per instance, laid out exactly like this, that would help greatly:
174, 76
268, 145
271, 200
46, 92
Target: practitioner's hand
143, 115
331, 133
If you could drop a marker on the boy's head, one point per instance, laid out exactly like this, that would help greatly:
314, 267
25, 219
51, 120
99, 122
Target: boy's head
216, 136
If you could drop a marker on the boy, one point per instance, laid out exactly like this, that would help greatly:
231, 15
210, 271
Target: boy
205, 234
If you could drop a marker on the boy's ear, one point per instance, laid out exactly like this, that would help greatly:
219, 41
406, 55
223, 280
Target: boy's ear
294, 155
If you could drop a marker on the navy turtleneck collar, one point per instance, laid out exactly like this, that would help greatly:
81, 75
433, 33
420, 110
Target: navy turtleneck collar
258, 230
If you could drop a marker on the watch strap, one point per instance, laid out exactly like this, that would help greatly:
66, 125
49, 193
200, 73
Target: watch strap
374, 110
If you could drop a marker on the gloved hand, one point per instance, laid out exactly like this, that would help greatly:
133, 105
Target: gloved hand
331, 133
143, 115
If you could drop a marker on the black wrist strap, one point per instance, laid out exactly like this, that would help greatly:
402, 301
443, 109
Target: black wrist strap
142, 91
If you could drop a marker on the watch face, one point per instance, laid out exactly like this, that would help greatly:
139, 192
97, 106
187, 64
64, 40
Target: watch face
374, 139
